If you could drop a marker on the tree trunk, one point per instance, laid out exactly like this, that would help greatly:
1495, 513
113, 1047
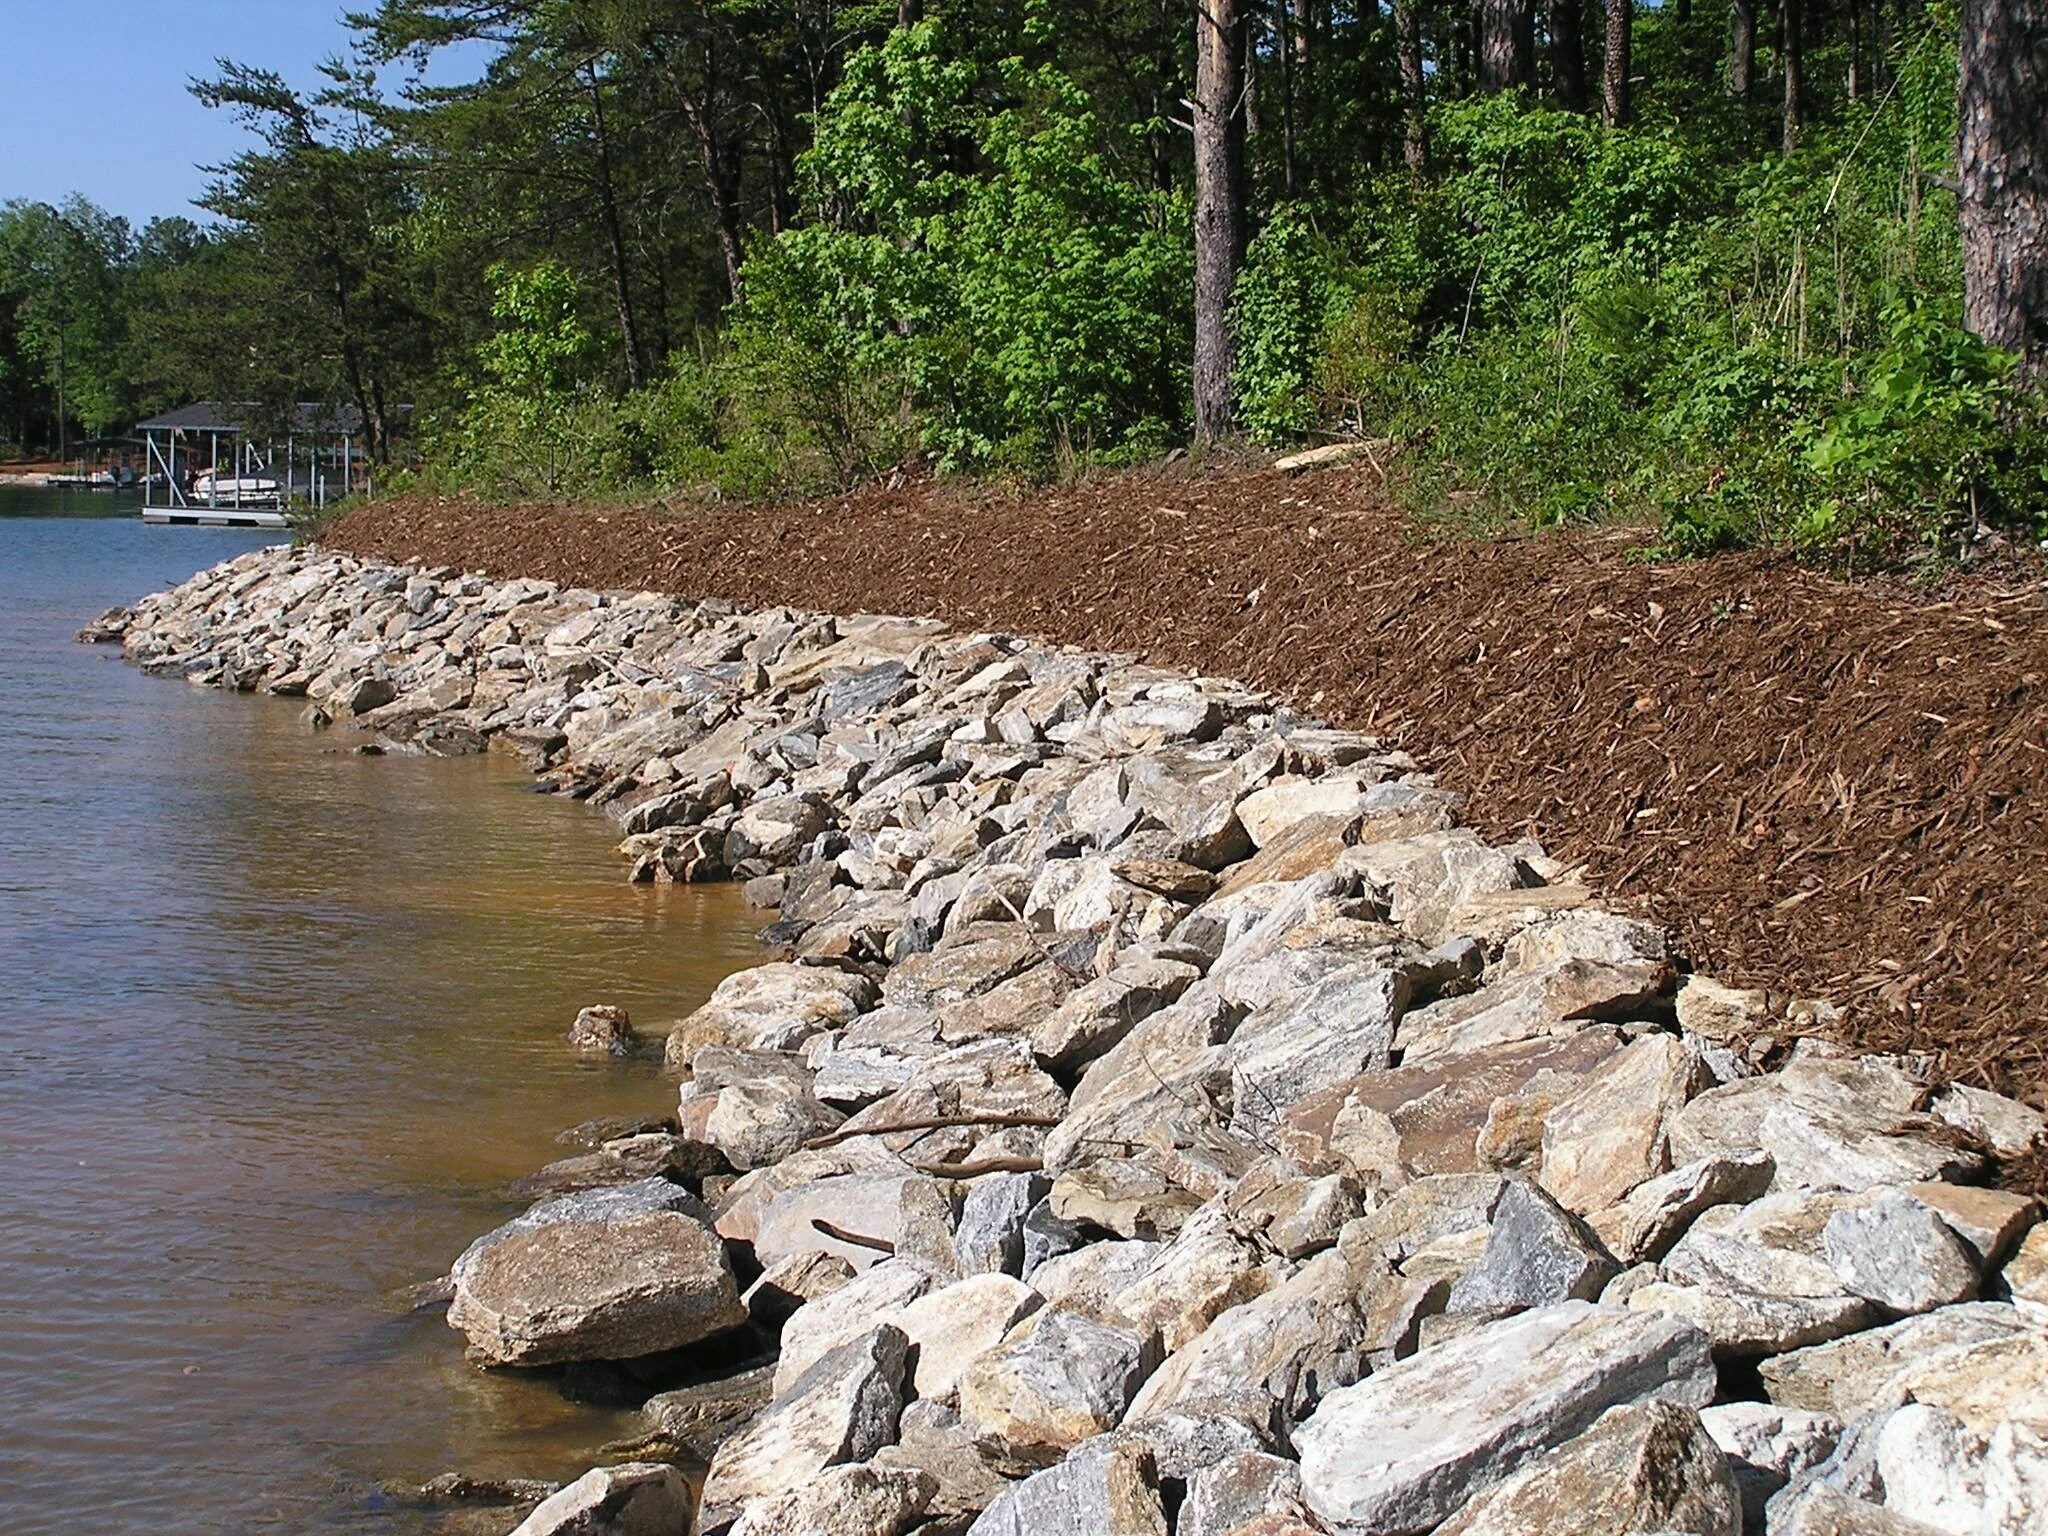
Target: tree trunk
1414, 108
1614, 92
1568, 54
1742, 49
1507, 44
1791, 15
909, 12
2002, 158
614, 234
1219, 207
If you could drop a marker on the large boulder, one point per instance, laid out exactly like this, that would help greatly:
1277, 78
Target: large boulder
1105, 1488
636, 1498
1403, 1450
1058, 1379
771, 1007
1647, 1466
843, 1409
601, 1275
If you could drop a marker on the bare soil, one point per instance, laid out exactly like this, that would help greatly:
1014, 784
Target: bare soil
1825, 789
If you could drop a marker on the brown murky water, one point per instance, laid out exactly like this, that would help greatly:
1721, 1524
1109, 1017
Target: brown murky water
277, 1025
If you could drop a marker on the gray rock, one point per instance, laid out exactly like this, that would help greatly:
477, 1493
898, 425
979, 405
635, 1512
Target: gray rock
1060, 1378
1271, 1360
990, 1239
1046, 1237
1850, 1376
844, 1501
605, 1274
1819, 1510
1338, 1027
1767, 1446
1655, 1214
1401, 1451
1647, 1466
843, 1409
704, 1415
1102, 1489
1745, 1325
956, 1325
636, 1498
1896, 1252
1537, 1255
842, 1313
1227, 1494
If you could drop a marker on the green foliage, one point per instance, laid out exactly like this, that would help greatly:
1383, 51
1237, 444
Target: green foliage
532, 428
1572, 323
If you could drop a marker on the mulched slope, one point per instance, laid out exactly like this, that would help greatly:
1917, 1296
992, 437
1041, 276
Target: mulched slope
1826, 789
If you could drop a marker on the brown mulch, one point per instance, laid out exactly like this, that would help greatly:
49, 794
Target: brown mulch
1826, 789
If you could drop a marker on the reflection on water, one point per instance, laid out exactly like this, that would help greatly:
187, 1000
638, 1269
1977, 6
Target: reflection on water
277, 1023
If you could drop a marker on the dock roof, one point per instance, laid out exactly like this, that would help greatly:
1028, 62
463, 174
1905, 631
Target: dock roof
308, 416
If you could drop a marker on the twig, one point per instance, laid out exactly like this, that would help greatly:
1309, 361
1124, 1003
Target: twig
929, 1123
858, 1239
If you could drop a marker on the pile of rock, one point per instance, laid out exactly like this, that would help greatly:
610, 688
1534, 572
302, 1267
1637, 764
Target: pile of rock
1167, 1119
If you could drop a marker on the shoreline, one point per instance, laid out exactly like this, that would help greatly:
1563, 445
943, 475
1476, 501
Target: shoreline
1160, 1082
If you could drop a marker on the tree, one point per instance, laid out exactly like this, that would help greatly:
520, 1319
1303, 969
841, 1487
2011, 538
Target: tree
1792, 55
1414, 105
1507, 44
1614, 90
1219, 206
1568, 54
2003, 163
1742, 48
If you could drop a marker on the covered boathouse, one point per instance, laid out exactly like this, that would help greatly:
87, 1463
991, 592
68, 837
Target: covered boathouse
240, 464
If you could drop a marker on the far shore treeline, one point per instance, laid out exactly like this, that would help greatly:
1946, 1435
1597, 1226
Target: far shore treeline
1763, 274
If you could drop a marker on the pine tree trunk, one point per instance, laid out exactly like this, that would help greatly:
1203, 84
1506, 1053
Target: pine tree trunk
1414, 108
1614, 92
1507, 44
1219, 207
1742, 49
1792, 45
1568, 54
2002, 158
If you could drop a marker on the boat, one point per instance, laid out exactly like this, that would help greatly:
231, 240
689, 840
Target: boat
225, 487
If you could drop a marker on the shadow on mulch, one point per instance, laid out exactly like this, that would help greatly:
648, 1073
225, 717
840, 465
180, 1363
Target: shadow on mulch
1825, 789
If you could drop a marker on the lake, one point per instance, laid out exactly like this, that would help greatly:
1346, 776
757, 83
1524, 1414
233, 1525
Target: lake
278, 1023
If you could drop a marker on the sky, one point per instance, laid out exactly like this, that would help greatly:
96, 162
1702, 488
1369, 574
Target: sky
93, 94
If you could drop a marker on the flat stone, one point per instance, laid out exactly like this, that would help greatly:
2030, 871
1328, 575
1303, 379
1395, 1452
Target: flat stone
1772, 1247
1559, 999
1059, 1379
1204, 1271
1767, 1446
1656, 1213
1600, 1142
843, 1501
1089, 1280
1648, 1466
770, 1005
1110, 1490
1096, 1016
2026, 1272
1897, 1252
843, 1409
1270, 1360
845, 1312
1401, 1451
703, 1415
1745, 1325
1989, 1221
1131, 1199
1535, 1256
1849, 1377
1420, 1216
1821, 1511
1333, 1030
954, 1326
1411, 1122
635, 1498
1719, 1013
2009, 1128
601, 1275
961, 971
1270, 812
1163, 1082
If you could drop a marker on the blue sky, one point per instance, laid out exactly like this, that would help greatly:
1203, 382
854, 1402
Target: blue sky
93, 97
